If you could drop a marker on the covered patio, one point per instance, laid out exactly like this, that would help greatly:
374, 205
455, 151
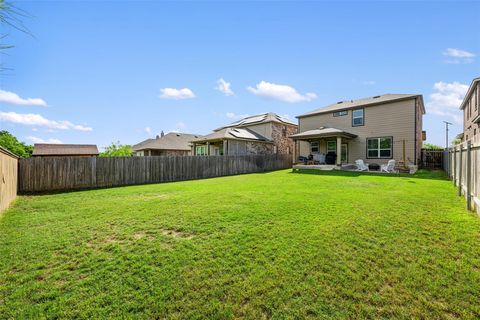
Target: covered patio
335, 141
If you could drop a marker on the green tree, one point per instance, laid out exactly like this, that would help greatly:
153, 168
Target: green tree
117, 150
11, 143
431, 146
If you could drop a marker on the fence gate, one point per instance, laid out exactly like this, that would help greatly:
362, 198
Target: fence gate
432, 159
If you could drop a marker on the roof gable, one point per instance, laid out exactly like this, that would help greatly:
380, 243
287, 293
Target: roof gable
469, 92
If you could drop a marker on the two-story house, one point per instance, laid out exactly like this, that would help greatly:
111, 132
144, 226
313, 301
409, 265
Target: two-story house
373, 129
266, 133
471, 114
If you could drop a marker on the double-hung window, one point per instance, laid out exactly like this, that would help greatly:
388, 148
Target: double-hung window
358, 117
332, 146
314, 148
380, 147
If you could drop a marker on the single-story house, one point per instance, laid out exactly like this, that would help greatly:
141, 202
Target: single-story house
170, 144
64, 150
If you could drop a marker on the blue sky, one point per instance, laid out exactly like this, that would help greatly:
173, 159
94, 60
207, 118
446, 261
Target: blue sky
94, 70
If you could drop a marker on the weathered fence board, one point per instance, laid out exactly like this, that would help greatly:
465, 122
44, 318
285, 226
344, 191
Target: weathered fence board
67, 173
8, 178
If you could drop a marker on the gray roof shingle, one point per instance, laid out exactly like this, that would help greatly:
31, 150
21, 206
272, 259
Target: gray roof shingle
170, 141
45, 149
233, 134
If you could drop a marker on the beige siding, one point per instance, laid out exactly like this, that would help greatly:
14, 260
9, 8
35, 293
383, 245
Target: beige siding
395, 119
471, 110
264, 129
8, 179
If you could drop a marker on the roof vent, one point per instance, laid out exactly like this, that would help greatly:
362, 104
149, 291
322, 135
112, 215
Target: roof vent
339, 102
376, 97
178, 134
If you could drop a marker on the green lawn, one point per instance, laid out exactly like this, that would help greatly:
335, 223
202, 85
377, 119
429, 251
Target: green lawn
276, 245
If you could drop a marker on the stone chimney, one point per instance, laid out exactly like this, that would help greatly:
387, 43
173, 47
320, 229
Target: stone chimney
162, 134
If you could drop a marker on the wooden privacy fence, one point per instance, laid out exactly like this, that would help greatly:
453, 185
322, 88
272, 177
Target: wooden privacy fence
432, 159
66, 173
463, 169
8, 177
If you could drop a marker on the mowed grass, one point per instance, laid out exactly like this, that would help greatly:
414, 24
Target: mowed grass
277, 245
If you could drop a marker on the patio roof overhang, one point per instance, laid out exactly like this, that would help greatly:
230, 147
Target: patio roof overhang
321, 133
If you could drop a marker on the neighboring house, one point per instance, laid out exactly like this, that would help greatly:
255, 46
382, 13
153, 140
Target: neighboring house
471, 113
64, 150
170, 144
266, 133
373, 129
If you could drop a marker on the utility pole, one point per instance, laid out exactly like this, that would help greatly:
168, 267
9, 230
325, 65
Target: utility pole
446, 133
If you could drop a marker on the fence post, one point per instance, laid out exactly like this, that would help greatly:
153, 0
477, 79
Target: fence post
454, 166
460, 171
469, 174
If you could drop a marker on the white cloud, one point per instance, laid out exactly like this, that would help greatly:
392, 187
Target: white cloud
40, 140
369, 82
176, 94
224, 86
31, 119
148, 130
180, 125
232, 115
13, 98
446, 100
280, 92
459, 56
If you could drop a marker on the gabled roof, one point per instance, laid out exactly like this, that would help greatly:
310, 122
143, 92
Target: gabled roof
258, 119
170, 141
45, 149
350, 104
323, 132
469, 92
233, 134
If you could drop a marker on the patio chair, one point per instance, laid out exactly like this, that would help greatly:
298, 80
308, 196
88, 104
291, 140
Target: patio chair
389, 167
361, 166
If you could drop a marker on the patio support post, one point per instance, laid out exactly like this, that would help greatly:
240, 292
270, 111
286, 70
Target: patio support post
194, 150
454, 165
225, 147
208, 148
339, 151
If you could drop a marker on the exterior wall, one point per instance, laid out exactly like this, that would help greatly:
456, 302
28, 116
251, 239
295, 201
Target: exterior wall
470, 112
8, 176
264, 129
236, 147
418, 130
275, 132
280, 137
395, 119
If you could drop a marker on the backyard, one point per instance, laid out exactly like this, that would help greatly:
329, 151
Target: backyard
270, 245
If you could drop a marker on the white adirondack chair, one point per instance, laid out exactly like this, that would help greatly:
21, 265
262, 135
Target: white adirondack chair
389, 167
361, 166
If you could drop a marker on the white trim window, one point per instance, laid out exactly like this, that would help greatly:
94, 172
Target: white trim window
380, 147
358, 117
332, 146
201, 150
314, 147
